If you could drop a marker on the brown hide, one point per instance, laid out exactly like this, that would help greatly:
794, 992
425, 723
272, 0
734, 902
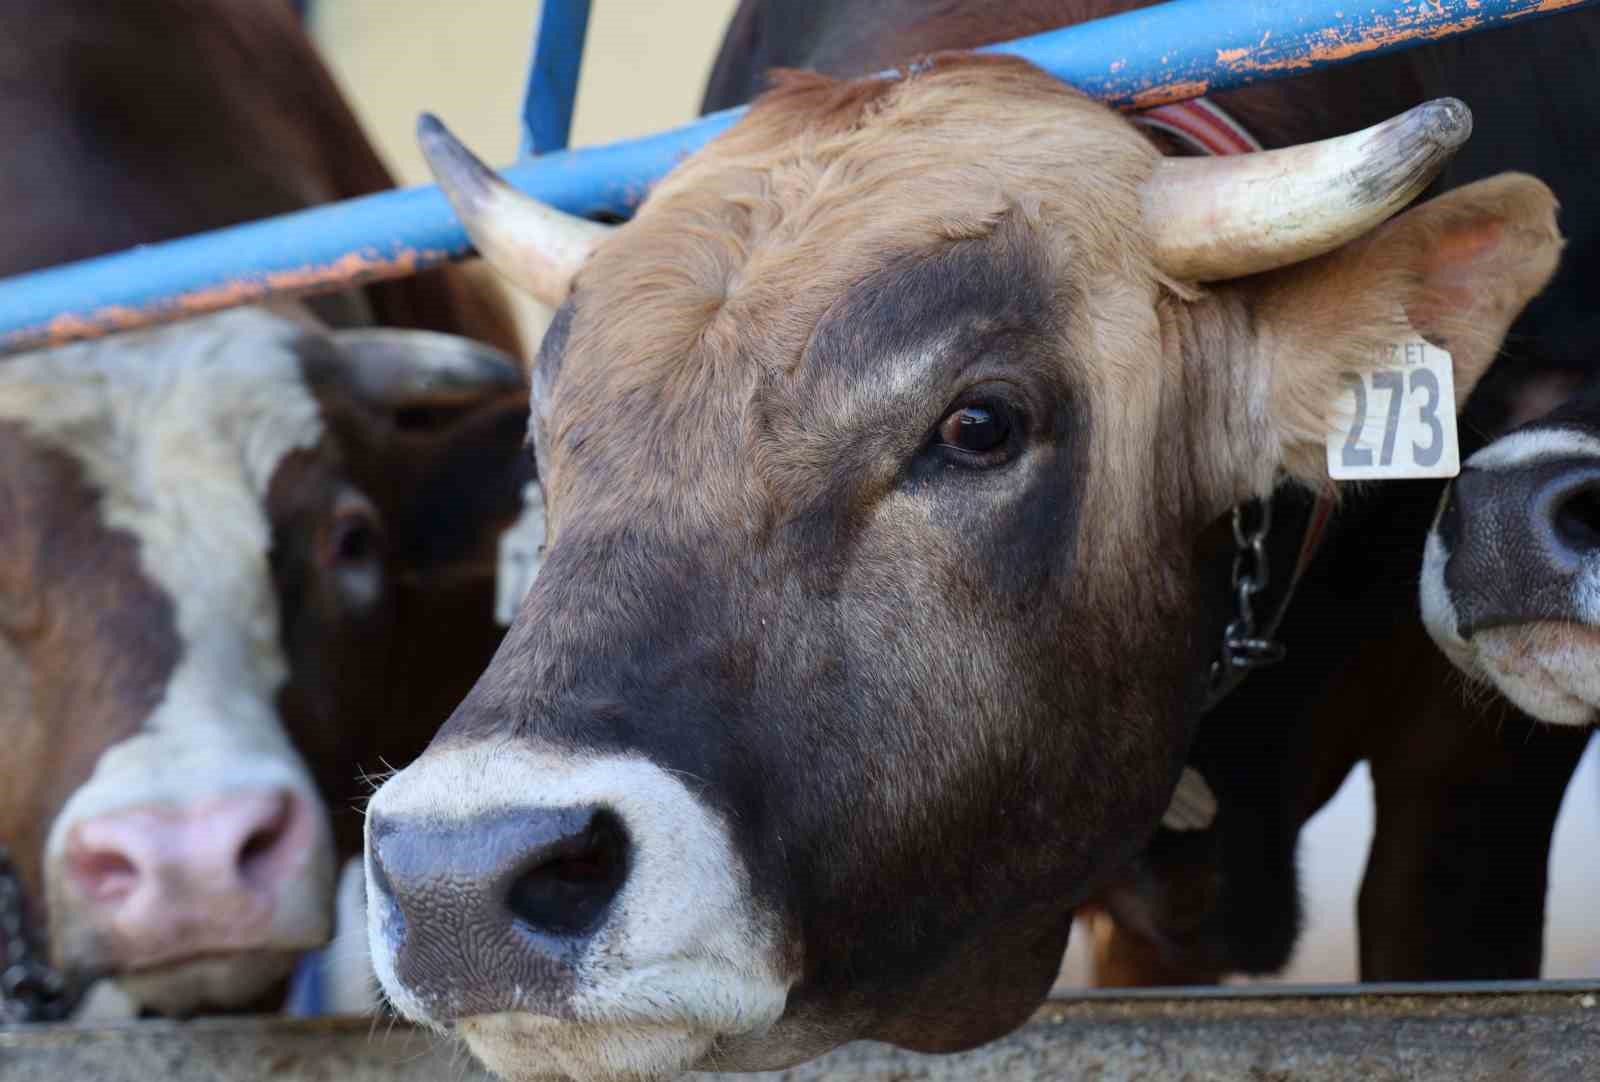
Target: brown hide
58, 625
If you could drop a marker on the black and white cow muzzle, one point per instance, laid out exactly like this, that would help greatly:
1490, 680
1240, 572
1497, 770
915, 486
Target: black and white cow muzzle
1511, 572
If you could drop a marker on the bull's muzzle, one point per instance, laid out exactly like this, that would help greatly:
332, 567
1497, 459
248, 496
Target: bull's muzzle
491, 914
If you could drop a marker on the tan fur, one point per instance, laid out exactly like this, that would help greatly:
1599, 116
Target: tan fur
739, 252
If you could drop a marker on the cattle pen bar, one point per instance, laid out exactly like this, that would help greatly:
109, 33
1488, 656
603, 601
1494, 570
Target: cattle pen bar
552, 88
1459, 1033
1169, 52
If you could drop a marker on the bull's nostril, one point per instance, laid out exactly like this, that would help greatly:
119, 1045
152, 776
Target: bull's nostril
1577, 519
571, 881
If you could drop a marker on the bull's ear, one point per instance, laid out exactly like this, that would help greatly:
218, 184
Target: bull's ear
1457, 269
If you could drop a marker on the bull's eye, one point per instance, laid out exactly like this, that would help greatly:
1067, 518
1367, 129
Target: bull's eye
974, 428
978, 433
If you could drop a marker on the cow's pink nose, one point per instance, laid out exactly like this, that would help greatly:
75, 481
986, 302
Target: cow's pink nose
163, 882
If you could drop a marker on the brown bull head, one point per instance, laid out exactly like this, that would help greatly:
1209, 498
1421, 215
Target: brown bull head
877, 450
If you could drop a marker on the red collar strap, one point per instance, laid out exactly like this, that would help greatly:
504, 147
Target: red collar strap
1208, 129
1201, 125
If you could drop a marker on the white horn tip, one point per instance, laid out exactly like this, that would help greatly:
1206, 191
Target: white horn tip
1445, 122
536, 246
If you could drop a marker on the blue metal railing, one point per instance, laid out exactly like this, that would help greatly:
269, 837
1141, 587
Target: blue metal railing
1164, 53
553, 76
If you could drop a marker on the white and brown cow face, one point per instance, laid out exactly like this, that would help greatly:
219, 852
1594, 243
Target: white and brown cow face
876, 451
197, 574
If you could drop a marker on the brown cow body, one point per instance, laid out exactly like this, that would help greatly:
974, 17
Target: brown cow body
244, 562
880, 452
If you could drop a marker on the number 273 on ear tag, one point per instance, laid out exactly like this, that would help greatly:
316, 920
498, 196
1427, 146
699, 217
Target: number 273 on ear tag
1398, 420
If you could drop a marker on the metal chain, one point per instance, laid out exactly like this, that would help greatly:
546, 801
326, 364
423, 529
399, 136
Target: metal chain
1243, 650
30, 991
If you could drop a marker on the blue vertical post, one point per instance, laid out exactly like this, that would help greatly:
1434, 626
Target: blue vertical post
553, 76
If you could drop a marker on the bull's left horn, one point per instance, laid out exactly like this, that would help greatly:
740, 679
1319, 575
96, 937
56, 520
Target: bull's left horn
1216, 218
536, 246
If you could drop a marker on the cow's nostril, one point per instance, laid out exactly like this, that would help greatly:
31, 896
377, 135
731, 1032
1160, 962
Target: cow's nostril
570, 882
105, 875
262, 848
1577, 519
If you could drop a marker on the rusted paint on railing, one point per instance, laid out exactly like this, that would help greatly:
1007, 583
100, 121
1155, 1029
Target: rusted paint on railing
346, 272
1370, 29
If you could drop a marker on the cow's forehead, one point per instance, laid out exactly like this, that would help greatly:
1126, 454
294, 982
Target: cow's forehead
222, 397
715, 290
179, 431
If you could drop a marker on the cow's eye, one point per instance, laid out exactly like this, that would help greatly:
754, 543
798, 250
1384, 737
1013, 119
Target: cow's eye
978, 433
354, 541
352, 549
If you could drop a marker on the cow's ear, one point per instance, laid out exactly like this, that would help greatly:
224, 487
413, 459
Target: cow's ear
1457, 269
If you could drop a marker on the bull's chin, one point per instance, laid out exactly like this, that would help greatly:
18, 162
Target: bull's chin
522, 1047
1549, 670
208, 983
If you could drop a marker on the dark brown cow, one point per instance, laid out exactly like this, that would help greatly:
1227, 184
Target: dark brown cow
880, 451
243, 561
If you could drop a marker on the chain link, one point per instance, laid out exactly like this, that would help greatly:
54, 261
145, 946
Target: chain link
1243, 650
30, 991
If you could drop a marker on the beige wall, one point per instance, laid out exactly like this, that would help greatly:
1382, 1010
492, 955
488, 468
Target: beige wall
644, 69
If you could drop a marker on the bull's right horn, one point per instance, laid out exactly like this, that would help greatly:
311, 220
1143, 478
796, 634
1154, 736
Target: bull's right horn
536, 246
1217, 218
